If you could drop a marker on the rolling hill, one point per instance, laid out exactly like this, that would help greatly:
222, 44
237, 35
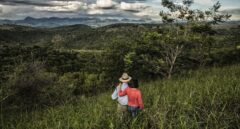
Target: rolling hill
74, 36
83, 36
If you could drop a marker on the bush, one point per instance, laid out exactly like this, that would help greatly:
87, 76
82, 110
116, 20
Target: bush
77, 83
67, 84
28, 84
92, 84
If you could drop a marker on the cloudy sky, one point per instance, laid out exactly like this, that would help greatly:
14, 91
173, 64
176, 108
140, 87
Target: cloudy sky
118, 9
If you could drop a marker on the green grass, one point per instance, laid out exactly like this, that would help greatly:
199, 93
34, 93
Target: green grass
208, 98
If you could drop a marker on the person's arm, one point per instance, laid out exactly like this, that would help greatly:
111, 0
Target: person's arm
140, 102
124, 92
115, 93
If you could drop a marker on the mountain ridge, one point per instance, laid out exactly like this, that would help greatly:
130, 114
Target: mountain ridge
50, 22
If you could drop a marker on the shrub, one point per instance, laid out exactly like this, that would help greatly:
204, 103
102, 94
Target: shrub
67, 84
28, 84
77, 83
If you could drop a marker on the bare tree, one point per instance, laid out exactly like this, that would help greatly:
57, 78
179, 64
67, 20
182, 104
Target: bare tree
171, 55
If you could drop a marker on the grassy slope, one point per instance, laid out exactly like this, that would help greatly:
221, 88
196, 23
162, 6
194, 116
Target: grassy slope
205, 98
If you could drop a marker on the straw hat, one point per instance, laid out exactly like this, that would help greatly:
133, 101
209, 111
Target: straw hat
125, 78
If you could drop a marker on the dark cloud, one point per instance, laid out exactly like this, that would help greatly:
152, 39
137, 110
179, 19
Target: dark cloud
39, 2
25, 2
130, 1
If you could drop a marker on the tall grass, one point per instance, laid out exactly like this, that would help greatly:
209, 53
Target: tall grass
208, 98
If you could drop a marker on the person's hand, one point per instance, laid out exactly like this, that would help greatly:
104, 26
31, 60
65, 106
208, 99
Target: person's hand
119, 84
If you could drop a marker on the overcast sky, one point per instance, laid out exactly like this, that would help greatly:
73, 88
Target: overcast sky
120, 9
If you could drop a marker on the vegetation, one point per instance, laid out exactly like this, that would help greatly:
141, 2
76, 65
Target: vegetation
63, 77
207, 98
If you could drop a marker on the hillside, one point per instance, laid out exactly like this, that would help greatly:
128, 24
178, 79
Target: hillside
30, 36
85, 37
75, 36
208, 98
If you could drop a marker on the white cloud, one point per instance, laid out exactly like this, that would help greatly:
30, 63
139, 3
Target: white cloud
178, 3
62, 6
153, 14
199, 2
93, 6
103, 4
228, 7
95, 11
100, 6
235, 17
132, 6
205, 2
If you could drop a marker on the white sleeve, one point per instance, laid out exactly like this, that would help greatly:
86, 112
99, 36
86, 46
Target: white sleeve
115, 94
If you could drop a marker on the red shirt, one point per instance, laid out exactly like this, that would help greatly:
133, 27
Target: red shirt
134, 97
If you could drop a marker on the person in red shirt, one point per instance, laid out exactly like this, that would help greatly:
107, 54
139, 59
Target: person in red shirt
135, 102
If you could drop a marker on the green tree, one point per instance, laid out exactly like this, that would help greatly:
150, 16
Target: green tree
185, 16
146, 60
114, 55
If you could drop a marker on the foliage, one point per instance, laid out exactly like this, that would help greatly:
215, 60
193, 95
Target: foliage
207, 98
114, 57
183, 12
71, 37
27, 84
146, 56
193, 19
147, 60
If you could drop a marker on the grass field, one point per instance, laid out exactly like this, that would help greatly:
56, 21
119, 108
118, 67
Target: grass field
207, 98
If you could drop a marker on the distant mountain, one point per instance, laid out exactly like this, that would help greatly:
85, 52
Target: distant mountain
56, 21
